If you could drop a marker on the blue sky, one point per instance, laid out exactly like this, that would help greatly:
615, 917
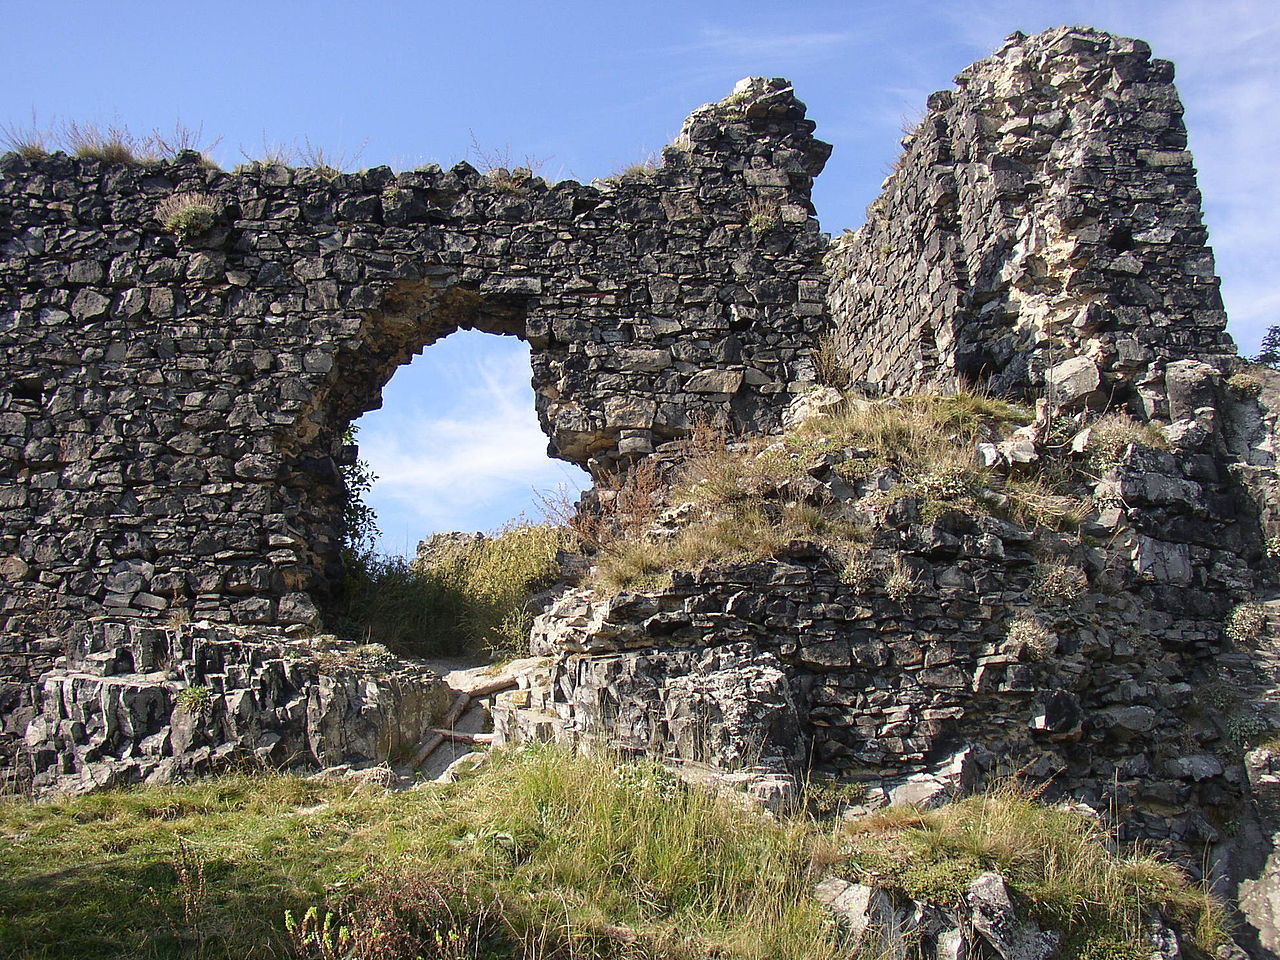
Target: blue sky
587, 88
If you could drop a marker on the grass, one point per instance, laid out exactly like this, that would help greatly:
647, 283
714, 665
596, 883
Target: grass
747, 509
1062, 862
646, 166
475, 601
763, 214
187, 214
1110, 436
111, 143
31, 141
746, 531
542, 854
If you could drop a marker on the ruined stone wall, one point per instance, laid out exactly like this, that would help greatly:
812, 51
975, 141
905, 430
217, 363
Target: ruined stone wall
171, 409
1044, 209
172, 412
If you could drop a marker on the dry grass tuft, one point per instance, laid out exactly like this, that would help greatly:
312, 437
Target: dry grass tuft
188, 214
112, 143
1074, 876
31, 141
748, 499
1111, 435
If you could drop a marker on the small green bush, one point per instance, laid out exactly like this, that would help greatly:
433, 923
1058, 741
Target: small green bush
188, 214
763, 214
194, 699
1246, 623
1245, 384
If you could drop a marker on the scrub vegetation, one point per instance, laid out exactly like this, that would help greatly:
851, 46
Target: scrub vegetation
541, 854
749, 500
477, 601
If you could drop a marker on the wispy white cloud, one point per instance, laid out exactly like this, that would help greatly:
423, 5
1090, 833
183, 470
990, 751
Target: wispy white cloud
711, 46
718, 41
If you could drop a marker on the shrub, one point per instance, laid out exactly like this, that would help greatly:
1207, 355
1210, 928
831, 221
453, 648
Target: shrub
1111, 435
188, 214
270, 153
194, 699
825, 796
1247, 730
828, 367
1245, 384
1032, 634
763, 214
182, 138
478, 600
1246, 624
1062, 862
901, 583
1060, 583
859, 571
1221, 696
507, 181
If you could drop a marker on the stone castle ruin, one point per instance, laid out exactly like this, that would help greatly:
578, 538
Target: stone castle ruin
174, 404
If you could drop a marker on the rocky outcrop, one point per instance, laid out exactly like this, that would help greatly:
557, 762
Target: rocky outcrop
988, 922
135, 703
956, 646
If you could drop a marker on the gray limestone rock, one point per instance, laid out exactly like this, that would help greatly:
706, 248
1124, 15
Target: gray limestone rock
993, 917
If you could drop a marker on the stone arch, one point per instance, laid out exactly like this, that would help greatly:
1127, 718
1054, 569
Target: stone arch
412, 316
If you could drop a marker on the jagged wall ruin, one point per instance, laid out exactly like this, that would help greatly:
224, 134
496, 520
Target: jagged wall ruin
172, 410
1044, 209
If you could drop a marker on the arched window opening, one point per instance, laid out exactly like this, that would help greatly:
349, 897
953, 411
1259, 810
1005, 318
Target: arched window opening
458, 466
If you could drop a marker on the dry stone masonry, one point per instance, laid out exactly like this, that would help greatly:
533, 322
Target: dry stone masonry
173, 406
1042, 226
177, 389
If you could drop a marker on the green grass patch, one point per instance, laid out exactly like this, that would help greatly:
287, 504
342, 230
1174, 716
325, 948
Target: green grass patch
476, 601
1073, 878
541, 854
553, 855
